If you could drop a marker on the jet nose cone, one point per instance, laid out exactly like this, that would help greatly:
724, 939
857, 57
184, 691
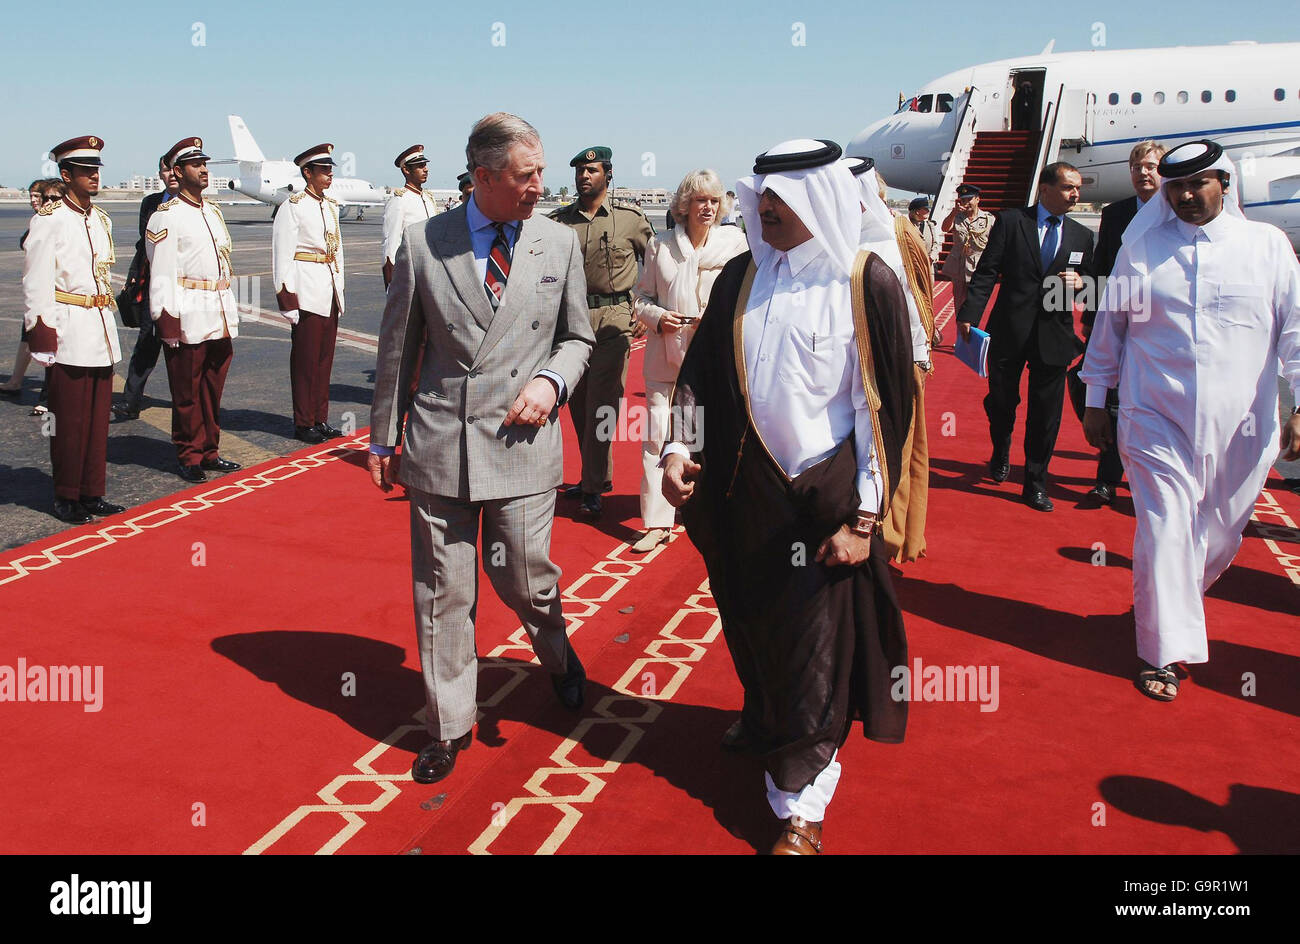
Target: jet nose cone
874, 140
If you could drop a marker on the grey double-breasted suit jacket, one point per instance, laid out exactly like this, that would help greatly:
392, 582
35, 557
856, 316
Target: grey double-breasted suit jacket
476, 360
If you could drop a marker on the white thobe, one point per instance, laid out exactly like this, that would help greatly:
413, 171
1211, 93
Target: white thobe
1191, 330
801, 365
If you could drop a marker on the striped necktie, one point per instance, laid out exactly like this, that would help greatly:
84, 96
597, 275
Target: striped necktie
498, 266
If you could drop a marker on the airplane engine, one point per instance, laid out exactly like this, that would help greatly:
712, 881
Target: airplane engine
1270, 191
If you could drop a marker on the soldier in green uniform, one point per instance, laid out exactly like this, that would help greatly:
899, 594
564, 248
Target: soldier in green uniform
613, 235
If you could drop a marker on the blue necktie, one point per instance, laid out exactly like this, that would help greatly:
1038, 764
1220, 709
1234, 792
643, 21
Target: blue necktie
1051, 241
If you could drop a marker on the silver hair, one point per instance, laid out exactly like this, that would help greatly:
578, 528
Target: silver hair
492, 138
697, 181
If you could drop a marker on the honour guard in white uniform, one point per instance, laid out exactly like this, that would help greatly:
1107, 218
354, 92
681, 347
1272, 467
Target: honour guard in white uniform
194, 309
408, 205
307, 267
71, 328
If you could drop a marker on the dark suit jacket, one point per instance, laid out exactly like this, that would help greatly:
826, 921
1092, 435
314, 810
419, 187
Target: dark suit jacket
1013, 254
1114, 220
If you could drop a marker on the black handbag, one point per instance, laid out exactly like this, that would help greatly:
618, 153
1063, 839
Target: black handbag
133, 300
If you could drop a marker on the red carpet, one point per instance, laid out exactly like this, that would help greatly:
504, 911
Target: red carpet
260, 681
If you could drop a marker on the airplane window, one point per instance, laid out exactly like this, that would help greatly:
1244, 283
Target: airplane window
1230, 96
1206, 96
1113, 98
1182, 98
924, 103
943, 102
1158, 98
1279, 95
1137, 98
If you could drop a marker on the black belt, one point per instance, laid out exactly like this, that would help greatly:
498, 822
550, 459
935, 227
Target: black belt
600, 301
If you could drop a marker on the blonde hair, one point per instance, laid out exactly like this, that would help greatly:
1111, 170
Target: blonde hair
697, 181
1143, 148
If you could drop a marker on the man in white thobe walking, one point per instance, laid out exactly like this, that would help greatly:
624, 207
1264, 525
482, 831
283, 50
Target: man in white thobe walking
1201, 306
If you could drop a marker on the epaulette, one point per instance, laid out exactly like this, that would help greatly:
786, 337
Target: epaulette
297, 197
331, 199
104, 218
215, 206
48, 208
558, 211
625, 205
165, 205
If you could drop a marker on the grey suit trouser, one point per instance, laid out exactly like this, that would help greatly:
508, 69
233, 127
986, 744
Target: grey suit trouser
444, 563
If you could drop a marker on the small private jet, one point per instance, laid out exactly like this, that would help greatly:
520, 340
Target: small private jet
273, 182
998, 124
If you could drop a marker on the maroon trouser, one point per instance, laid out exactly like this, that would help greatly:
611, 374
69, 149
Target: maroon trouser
80, 402
311, 358
196, 374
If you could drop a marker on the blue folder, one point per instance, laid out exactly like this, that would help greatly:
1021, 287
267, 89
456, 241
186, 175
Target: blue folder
975, 352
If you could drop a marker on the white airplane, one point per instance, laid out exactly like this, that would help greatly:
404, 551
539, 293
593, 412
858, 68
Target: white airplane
1090, 108
273, 182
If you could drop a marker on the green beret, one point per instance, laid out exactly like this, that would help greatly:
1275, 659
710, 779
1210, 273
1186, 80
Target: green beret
592, 155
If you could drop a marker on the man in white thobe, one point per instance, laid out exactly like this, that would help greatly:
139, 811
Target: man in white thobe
1200, 307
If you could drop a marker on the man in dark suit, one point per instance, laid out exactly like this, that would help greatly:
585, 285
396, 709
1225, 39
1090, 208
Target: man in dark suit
1038, 252
1142, 163
144, 358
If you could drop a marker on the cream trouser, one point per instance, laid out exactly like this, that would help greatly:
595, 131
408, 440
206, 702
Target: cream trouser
655, 510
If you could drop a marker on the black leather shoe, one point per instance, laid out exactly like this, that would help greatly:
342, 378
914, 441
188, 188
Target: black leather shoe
328, 431
124, 412
575, 491
1000, 467
737, 739
99, 507
570, 684
438, 759
590, 506
308, 434
70, 511
1037, 499
192, 473
1103, 493
220, 465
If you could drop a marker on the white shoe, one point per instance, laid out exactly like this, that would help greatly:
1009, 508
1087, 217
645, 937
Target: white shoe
650, 540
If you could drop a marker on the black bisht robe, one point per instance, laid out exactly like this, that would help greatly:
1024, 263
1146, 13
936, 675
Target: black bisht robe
813, 645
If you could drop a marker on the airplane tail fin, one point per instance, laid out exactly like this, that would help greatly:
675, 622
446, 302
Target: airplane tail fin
246, 148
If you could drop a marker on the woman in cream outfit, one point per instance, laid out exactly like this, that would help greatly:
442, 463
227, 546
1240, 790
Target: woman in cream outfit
680, 268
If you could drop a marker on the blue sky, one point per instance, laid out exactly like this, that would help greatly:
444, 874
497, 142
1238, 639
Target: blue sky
693, 83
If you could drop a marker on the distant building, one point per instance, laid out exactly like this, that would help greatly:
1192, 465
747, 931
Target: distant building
655, 196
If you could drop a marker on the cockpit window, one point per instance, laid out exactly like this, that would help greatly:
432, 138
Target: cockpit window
943, 102
925, 103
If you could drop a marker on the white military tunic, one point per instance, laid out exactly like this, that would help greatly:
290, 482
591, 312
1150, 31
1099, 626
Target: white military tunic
189, 270
69, 254
1191, 330
307, 253
406, 206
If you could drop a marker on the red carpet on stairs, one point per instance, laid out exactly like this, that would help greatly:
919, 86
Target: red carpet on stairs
261, 692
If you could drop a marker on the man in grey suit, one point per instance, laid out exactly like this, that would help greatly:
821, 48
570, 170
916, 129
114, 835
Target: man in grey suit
498, 298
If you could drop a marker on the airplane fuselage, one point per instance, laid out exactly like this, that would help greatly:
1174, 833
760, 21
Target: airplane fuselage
1243, 95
